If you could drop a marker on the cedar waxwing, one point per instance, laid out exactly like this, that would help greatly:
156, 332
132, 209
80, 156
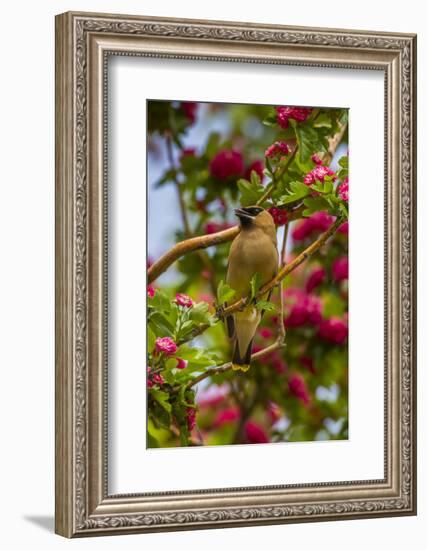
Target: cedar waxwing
254, 250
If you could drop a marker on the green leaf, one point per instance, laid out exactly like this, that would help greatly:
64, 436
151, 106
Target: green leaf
249, 192
263, 305
297, 191
343, 162
255, 285
255, 179
314, 204
162, 399
160, 302
224, 293
151, 339
309, 140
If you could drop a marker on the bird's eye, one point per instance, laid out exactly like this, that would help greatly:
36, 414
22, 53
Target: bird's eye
253, 210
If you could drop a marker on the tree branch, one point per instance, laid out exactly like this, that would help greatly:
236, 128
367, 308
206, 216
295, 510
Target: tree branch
288, 268
272, 187
227, 366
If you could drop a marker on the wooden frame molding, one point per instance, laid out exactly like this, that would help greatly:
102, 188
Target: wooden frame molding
83, 43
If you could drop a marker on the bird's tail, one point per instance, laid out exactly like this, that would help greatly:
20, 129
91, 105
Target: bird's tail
241, 363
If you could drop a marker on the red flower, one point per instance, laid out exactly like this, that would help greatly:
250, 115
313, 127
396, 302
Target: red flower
340, 269
189, 108
273, 411
343, 190
284, 113
316, 159
334, 330
226, 416
191, 418
316, 277
279, 216
258, 167
183, 300
304, 309
343, 228
154, 378
255, 433
166, 345
266, 333
181, 363
319, 173
319, 221
277, 149
151, 291
226, 164
298, 388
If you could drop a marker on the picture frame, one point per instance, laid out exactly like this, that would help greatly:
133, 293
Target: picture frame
84, 42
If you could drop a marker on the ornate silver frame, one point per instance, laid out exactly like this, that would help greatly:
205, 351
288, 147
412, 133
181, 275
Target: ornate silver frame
83, 42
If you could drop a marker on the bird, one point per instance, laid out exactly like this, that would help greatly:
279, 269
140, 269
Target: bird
253, 251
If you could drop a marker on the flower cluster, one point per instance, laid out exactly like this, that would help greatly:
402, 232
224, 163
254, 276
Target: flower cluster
151, 291
154, 378
303, 309
277, 150
340, 269
318, 174
166, 345
183, 300
320, 221
343, 190
279, 215
316, 278
334, 330
214, 227
298, 388
284, 113
190, 109
254, 433
256, 166
227, 164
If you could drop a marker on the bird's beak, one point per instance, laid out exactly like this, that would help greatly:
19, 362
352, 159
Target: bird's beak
243, 214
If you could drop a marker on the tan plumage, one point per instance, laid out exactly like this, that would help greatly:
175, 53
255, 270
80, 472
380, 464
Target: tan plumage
253, 251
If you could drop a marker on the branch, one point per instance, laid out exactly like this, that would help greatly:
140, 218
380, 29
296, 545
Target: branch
288, 268
196, 243
227, 366
272, 187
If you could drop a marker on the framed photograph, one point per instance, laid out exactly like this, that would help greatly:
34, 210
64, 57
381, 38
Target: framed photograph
235, 327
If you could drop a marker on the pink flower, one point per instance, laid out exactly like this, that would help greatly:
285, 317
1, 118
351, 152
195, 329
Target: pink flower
334, 330
166, 345
319, 221
279, 216
183, 300
191, 418
343, 190
214, 227
319, 173
189, 108
258, 167
277, 149
226, 164
316, 159
343, 228
151, 291
284, 113
154, 378
255, 433
266, 333
181, 363
303, 309
226, 416
298, 388
340, 269
273, 411
316, 277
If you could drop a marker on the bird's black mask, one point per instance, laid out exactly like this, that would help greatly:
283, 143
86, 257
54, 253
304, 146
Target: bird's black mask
247, 215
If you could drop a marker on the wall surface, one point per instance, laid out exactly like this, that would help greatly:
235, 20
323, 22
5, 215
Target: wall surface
27, 274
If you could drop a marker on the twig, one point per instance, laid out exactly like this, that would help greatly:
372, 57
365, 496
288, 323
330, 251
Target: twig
272, 187
288, 268
227, 366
